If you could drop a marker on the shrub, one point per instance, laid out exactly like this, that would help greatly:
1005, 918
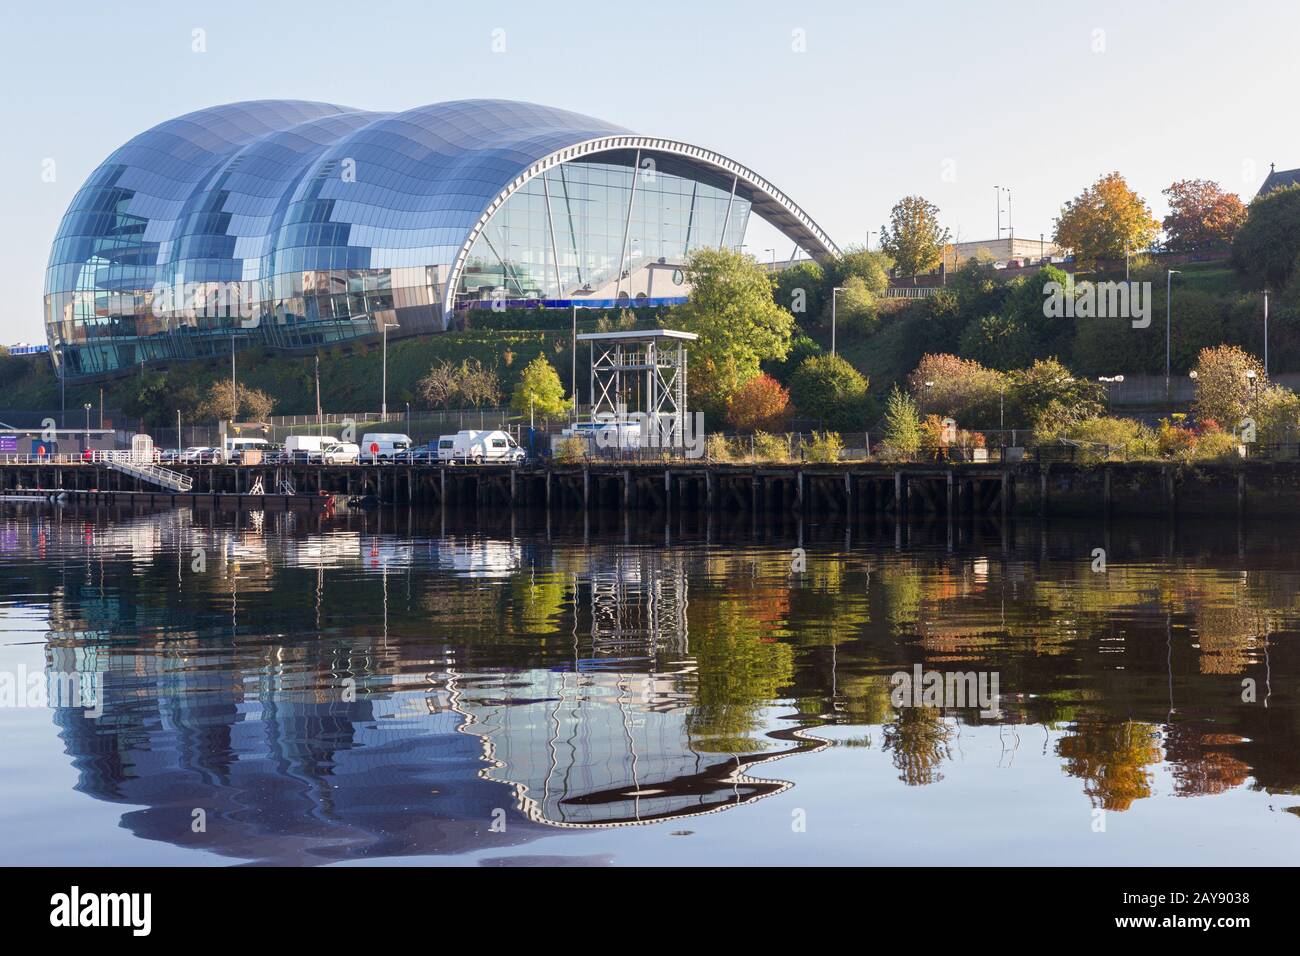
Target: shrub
1215, 445
1175, 441
570, 449
902, 427
769, 447
824, 447
1105, 437
718, 448
762, 402
829, 388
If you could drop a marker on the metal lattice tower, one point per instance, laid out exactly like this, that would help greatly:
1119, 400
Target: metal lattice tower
641, 373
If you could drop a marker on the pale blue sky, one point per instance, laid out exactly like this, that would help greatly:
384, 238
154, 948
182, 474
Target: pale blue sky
944, 99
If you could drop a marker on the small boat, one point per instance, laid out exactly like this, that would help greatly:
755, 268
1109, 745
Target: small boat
45, 497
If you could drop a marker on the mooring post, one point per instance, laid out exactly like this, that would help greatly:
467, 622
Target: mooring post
848, 494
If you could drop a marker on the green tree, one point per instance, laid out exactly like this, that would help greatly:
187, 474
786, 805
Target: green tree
902, 423
539, 391
870, 266
914, 239
1049, 389
857, 310
828, 388
739, 325
1267, 247
800, 290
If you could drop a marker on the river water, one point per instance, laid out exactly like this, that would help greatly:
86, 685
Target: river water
407, 687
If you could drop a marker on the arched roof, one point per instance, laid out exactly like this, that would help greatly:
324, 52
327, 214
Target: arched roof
251, 190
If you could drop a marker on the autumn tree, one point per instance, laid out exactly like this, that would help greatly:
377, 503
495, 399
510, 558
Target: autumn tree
254, 404
1227, 379
439, 385
539, 391
1201, 215
761, 403
1104, 221
914, 239
479, 384
739, 325
960, 388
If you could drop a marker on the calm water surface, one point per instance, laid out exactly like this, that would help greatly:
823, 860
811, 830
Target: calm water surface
406, 687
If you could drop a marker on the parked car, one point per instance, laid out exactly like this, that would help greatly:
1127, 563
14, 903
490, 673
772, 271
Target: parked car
420, 454
198, 455
342, 453
383, 446
479, 446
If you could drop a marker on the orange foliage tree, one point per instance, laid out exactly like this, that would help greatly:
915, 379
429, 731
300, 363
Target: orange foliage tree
761, 403
1104, 220
1201, 215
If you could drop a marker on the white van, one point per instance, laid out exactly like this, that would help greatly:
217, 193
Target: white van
384, 446
234, 448
477, 446
320, 449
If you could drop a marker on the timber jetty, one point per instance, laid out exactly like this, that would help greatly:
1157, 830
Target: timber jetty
843, 489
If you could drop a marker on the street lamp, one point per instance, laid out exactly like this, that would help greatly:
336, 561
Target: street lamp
383, 399
1111, 380
921, 411
1265, 331
87, 408
834, 292
1169, 288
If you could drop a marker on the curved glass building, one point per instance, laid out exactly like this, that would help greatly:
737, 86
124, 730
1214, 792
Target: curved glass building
294, 224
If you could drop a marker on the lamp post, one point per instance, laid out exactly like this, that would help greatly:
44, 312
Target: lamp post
1169, 288
234, 386
1110, 380
87, 408
573, 358
834, 292
1265, 331
383, 400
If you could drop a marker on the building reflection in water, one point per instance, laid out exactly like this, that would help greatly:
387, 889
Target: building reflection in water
233, 713
573, 685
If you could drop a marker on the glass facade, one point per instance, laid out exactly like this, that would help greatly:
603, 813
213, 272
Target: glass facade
295, 224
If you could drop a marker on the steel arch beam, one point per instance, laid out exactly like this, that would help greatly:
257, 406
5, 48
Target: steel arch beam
771, 204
